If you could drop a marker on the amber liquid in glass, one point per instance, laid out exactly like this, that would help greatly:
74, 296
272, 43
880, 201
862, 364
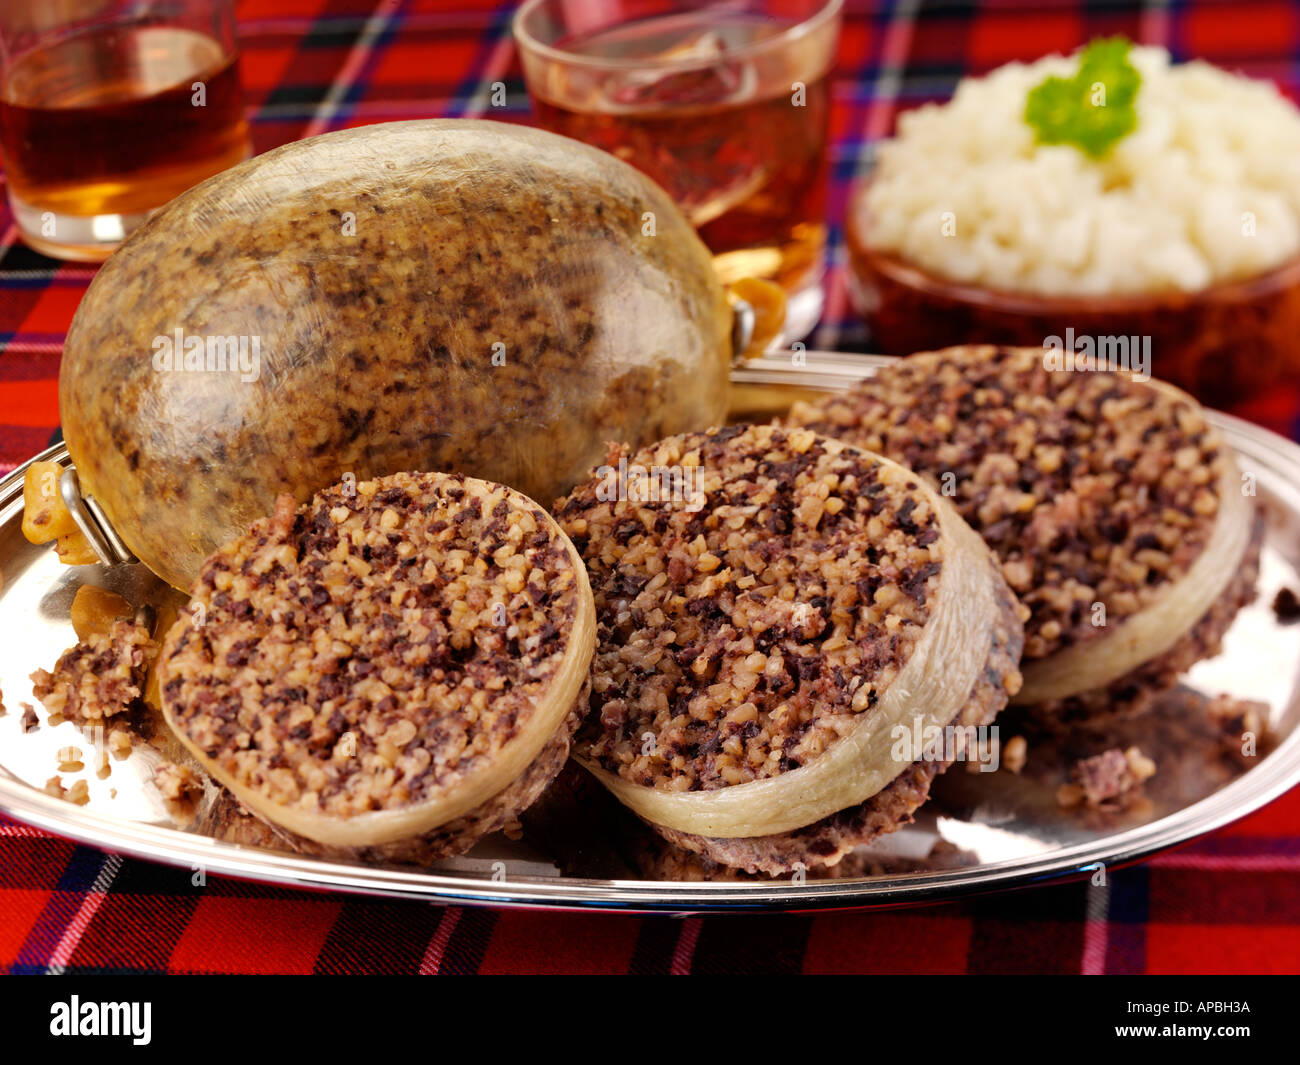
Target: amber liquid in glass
745, 161
106, 122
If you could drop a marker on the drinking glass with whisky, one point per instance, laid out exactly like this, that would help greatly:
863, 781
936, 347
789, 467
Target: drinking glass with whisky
110, 108
725, 104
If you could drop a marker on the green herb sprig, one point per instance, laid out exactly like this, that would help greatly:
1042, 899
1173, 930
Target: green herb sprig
1094, 110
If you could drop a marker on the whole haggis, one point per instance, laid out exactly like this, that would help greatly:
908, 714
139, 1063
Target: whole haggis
439, 295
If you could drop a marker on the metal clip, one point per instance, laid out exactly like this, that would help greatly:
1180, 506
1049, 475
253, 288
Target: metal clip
90, 519
742, 329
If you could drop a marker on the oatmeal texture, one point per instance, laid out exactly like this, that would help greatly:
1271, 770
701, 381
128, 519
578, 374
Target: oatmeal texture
177, 783
1101, 780
1242, 727
370, 648
1089, 486
739, 639
1133, 693
499, 813
231, 821
99, 677
826, 843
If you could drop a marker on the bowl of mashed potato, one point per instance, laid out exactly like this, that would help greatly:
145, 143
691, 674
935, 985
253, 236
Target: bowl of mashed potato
1114, 205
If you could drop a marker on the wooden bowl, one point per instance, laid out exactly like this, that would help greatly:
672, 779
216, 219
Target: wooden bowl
1223, 344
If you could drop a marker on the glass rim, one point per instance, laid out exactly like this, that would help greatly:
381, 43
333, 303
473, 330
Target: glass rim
828, 11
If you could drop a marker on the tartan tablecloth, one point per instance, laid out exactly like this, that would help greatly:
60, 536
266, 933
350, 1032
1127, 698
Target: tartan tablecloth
1228, 903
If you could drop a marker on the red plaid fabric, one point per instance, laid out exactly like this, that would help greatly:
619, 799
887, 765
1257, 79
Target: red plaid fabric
1228, 903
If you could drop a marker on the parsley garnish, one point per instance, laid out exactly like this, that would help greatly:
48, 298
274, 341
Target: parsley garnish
1093, 110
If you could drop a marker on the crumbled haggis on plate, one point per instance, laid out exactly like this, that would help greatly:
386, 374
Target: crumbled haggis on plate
119, 743
1106, 779
79, 793
30, 721
97, 679
1242, 725
181, 789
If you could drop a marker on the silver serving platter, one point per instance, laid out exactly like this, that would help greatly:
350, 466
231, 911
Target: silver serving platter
981, 832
